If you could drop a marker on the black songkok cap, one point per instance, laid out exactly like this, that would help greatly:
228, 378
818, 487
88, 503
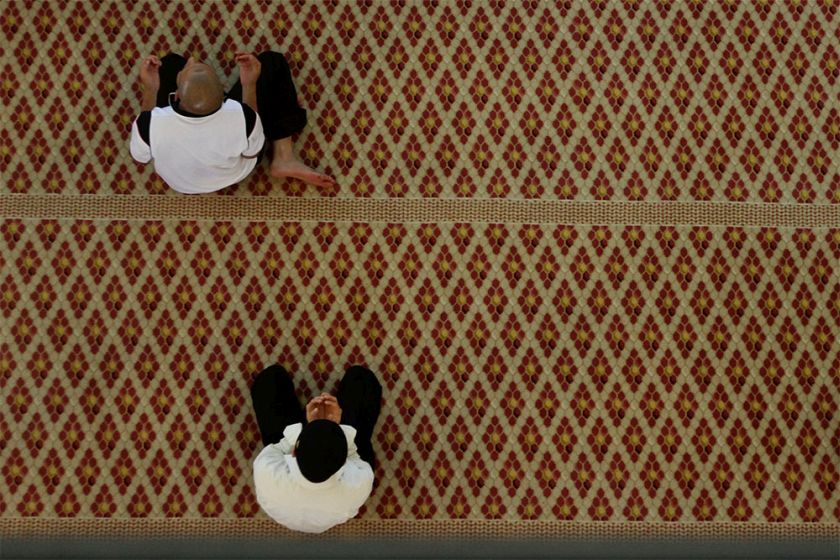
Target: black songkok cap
321, 450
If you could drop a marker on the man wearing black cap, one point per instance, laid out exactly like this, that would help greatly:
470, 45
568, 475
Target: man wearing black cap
316, 469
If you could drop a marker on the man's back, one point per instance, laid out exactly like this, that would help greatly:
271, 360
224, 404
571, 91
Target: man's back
199, 154
290, 499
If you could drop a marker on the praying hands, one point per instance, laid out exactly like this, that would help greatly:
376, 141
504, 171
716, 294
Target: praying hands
323, 407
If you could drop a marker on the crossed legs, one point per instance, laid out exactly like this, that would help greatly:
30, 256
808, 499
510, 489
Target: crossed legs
276, 406
281, 116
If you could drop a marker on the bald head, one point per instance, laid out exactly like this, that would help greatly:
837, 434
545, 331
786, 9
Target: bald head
199, 89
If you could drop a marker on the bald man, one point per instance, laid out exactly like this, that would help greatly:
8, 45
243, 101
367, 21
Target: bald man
202, 140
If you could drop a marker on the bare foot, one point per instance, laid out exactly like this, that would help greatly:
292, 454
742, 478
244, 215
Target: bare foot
297, 169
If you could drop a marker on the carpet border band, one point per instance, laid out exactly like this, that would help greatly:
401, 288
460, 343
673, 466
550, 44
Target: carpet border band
409, 529
417, 210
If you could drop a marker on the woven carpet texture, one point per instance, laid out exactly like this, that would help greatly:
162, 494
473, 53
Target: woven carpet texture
573, 365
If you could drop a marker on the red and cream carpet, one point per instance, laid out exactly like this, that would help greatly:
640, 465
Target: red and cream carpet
591, 248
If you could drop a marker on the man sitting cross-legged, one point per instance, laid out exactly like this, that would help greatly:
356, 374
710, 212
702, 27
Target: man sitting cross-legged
316, 470
202, 140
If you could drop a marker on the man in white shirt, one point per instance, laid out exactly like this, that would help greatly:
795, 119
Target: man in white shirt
201, 140
316, 469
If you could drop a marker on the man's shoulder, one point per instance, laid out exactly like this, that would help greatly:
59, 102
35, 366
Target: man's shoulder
357, 472
161, 112
232, 105
270, 458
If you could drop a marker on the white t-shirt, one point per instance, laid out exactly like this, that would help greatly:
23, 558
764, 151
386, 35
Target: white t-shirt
199, 154
295, 502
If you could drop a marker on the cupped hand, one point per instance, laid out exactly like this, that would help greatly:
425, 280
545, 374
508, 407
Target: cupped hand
249, 68
324, 407
150, 73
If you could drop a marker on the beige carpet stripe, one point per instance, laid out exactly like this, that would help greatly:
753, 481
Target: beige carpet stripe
408, 529
418, 210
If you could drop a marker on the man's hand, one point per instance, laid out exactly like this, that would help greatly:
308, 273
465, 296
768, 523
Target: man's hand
249, 68
149, 74
324, 407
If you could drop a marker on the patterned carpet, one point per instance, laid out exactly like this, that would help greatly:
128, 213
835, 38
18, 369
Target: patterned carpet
591, 250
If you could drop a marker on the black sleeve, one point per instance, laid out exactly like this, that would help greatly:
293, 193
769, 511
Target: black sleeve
143, 121
250, 120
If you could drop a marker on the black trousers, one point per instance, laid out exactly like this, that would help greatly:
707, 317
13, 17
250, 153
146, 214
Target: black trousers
276, 406
277, 104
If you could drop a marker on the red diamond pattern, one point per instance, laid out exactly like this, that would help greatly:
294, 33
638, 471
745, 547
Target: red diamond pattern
586, 409
654, 90
588, 373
